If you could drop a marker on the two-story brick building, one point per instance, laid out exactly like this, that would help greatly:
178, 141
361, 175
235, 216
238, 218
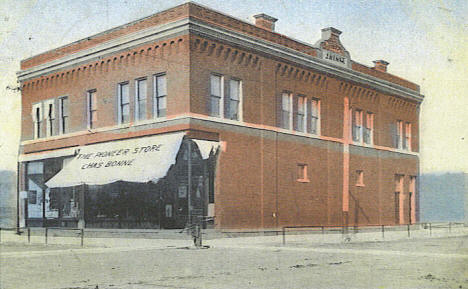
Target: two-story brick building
265, 130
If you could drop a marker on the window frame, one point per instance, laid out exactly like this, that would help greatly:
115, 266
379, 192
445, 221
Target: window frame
289, 112
360, 178
90, 109
49, 116
219, 98
37, 116
157, 97
369, 125
141, 101
120, 104
302, 173
63, 124
407, 137
301, 102
315, 103
238, 101
399, 135
357, 126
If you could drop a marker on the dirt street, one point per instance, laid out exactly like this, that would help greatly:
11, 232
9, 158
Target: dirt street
428, 263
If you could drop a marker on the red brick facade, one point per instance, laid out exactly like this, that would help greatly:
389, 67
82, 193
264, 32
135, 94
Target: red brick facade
256, 183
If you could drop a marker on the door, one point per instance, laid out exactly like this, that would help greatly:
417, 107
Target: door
397, 208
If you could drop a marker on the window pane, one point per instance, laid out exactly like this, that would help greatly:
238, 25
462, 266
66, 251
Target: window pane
93, 117
234, 109
51, 127
64, 106
161, 85
301, 105
142, 89
142, 109
64, 124
356, 133
285, 102
313, 125
160, 106
216, 85
399, 134
125, 113
214, 106
300, 122
38, 114
285, 119
314, 110
234, 89
92, 100
162, 103
367, 135
124, 94
50, 114
162, 112
141, 99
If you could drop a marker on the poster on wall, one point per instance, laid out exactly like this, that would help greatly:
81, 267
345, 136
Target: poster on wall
182, 191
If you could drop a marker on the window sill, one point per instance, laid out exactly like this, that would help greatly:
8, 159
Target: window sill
303, 180
363, 144
360, 185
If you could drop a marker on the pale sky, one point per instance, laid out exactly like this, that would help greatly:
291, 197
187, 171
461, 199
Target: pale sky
424, 41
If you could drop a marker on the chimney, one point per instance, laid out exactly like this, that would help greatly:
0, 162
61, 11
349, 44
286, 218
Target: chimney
331, 33
265, 21
380, 65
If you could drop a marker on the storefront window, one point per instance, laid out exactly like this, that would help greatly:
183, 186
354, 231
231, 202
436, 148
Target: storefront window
162, 204
35, 186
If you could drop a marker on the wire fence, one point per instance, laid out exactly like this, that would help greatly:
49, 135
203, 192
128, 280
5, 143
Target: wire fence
49, 234
345, 230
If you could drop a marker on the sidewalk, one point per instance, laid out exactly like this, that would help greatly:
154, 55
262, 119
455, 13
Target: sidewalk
174, 238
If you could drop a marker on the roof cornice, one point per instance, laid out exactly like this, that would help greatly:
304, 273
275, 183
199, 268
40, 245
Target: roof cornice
198, 27
203, 29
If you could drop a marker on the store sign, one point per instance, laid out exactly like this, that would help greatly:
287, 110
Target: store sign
335, 58
137, 160
115, 158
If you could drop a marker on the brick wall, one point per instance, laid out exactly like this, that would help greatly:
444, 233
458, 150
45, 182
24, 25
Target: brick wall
256, 179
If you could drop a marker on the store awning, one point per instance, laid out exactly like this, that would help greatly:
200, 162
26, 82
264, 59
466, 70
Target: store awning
138, 160
206, 147
47, 155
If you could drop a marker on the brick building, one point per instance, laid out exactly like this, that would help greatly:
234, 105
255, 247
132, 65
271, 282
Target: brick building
265, 130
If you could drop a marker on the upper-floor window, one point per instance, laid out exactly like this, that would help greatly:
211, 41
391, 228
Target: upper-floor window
140, 99
402, 135
49, 107
398, 134
357, 126
92, 108
315, 117
216, 96
407, 138
37, 119
286, 110
124, 102
399, 183
301, 115
63, 115
368, 133
235, 97
160, 96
